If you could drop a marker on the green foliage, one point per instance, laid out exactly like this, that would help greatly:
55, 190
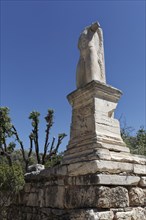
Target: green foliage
34, 116
11, 178
55, 160
5, 129
49, 117
5, 124
5, 133
11, 182
139, 146
137, 142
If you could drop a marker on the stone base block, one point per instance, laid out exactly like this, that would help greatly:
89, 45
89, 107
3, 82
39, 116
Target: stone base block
96, 189
71, 196
29, 213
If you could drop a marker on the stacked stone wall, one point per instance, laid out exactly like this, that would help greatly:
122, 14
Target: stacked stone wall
54, 194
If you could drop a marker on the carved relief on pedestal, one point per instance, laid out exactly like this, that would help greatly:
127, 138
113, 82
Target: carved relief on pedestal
82, 122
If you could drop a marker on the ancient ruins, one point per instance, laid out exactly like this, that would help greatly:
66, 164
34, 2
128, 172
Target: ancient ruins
98, 179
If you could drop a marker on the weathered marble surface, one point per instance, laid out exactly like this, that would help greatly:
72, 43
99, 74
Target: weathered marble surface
91, 62
93, 124
143, 181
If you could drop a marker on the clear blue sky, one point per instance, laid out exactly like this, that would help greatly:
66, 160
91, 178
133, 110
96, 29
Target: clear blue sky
39, 56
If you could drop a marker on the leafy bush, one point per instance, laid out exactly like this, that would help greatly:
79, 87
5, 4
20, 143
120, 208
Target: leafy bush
137, 142
11, 182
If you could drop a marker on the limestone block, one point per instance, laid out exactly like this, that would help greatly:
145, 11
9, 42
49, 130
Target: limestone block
46, 173
98, 165
86, 154
139, 213
136, 196
57, 170
86, 145
123, 215
104, 117
41, 197
102, 179
81, 196
93, 215
81, 214
94, 89
93, 152
109, 127
73, 180
109, 215
127, 157
119, 197
114, 146
134, 214
32, 199
22, 198
140, 169
117, 180
140, 159
90, 214
102, 154
104, 200
31, 187
144, 190
29, 216
54, 196
142, 181
93, 196
27, 187
103, 108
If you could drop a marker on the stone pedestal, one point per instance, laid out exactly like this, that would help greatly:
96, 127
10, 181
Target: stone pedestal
98, 179
94, 130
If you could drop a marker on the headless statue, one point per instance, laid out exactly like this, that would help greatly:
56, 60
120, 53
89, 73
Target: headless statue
91, 62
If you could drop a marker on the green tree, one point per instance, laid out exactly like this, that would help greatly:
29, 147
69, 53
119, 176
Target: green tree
140, 142
136, 142
8, 131
5, 133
